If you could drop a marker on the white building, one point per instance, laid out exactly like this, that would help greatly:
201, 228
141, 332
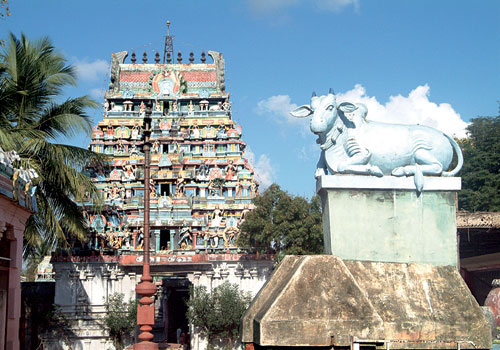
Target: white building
83, 285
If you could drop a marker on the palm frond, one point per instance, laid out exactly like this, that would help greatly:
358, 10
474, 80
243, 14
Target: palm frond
32, 78
66, 119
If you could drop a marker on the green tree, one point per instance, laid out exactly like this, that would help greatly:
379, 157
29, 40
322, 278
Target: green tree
481, 171
217, 314
4, 8
120, 318
283, 224
32, 79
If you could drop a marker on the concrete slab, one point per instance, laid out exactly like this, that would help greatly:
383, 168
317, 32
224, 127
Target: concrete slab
390, 224
387, 183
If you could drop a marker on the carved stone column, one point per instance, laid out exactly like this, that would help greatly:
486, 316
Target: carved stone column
119, 275
210, 275
196, 278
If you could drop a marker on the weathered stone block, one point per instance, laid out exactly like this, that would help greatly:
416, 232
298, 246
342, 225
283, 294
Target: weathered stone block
323, 300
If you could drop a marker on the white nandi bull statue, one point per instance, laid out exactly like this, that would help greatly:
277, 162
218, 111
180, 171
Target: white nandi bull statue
350, 144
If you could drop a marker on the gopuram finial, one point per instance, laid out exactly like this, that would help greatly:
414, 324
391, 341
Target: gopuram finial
169, 45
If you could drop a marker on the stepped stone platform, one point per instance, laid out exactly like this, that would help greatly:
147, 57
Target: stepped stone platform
325, 301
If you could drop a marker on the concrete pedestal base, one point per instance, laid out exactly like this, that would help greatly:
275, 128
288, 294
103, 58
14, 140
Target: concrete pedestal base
323, 300
383, 219
391, 283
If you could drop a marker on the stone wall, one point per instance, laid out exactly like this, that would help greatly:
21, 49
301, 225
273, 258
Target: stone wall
82, 288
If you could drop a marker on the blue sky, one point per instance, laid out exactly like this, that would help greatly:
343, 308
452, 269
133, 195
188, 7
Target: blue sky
431, 62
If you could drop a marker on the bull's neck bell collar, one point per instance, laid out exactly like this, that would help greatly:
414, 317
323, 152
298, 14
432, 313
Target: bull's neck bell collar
332, 139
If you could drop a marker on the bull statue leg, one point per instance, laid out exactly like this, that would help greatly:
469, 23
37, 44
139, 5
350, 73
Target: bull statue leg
321, 168
425, 164
358, 162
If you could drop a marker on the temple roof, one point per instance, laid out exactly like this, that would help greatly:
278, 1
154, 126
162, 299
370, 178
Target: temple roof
167, 81
478, 220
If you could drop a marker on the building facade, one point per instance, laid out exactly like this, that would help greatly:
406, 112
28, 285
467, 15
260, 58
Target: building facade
201, 189
17, 202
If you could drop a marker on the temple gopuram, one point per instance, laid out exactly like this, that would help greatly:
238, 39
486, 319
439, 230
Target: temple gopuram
201, 188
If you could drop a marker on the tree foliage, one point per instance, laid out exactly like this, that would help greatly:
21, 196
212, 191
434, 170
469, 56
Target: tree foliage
481, 171
217, 314
4, 8
283, 224
120, 318
32, 79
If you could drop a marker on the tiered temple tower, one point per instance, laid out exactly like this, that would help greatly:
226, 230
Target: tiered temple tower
201, 186
201, 189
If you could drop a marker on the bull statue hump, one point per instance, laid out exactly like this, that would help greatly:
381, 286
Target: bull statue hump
351, 144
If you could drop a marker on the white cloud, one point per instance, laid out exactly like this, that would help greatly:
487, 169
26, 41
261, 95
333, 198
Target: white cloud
416, 108
308, 152
269, 7
273, 7
97, 94
336, 5
264, 172
92, 71
278, 107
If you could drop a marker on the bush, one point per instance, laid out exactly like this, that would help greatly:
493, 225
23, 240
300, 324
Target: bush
120, 317
217, 314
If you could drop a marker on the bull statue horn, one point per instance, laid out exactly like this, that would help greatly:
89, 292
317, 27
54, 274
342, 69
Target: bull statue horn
314, 94
331, 91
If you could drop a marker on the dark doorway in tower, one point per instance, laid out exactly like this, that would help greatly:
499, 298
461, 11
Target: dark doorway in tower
176, 293
164, 239
165, 189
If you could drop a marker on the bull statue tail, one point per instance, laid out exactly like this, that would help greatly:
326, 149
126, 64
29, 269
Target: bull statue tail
418, 179
460, 157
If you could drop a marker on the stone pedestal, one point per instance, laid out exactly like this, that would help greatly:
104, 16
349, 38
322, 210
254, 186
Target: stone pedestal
322, 300
389, 280
383, 219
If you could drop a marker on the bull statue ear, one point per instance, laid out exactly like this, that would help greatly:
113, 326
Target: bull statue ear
302, 111
346, 108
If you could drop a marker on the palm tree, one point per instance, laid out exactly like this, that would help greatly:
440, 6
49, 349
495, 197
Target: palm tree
32, 78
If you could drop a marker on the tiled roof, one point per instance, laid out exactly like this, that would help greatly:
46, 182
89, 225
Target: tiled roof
199, 76
134, 76
478, 220
141, 76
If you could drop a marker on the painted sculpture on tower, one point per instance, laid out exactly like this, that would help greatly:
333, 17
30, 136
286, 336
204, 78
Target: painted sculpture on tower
201, 186
351, 144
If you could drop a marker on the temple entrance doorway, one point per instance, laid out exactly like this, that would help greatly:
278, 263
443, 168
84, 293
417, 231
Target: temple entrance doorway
176, 294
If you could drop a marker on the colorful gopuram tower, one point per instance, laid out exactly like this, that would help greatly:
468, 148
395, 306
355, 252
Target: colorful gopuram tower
201, 186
